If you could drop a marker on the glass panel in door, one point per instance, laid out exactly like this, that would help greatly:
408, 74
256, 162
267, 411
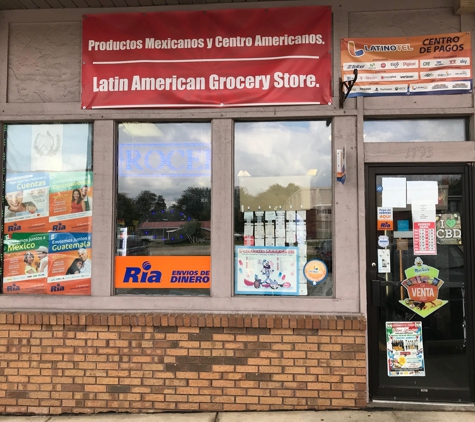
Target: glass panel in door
420, 287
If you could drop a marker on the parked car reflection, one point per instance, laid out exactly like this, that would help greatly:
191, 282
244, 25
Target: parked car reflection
132, 245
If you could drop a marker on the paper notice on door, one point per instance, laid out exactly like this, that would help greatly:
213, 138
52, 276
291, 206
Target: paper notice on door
394, 192
425, 241
423, 217
427, 192
384, 263
423, 211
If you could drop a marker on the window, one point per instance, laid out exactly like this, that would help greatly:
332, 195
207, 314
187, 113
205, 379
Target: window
164, 209
48, 209
416, 130
283, 204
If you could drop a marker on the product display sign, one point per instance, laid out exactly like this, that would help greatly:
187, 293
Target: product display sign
422, 284
48, 209
405, 349
163, 272
430, 64
268, 270
213, 58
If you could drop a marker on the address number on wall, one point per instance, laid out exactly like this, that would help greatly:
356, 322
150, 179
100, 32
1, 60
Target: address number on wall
419, 152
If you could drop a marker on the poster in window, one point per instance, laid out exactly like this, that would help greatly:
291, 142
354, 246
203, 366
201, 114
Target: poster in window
269, 270
25, 268
70, 263
26, 202
405, 350
48, 189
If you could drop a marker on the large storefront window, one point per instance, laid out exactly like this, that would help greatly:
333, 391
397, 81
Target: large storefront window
47, 220
164, 209
283, 208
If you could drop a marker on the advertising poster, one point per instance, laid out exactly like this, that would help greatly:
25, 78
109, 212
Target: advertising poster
212, 58
25, 268
430, 64
422, 284
163, 272
405, 349
385, 218
268, 270
70, 263
71, 201
48, 188
26, 202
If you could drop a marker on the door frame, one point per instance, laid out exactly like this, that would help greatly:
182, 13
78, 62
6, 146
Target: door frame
468, 207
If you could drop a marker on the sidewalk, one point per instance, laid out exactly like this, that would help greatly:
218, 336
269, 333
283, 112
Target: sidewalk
284, 416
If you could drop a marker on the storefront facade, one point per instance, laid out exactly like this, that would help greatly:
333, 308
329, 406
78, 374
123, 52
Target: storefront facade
242, 337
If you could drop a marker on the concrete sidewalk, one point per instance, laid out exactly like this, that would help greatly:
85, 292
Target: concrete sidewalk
284, 416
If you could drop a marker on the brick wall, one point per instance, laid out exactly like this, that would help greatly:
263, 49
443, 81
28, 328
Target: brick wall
89, 363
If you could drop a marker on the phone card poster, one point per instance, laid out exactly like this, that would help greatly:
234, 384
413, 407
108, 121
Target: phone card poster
270, 270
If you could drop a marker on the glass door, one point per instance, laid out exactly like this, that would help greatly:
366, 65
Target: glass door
418, 307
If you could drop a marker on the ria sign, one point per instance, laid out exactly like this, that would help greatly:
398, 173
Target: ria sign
163, 272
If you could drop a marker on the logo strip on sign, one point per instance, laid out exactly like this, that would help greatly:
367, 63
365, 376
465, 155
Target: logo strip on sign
434, 64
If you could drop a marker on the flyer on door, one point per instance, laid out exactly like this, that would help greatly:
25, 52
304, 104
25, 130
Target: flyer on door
405, 349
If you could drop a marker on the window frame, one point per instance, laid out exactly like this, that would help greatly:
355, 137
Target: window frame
345, 300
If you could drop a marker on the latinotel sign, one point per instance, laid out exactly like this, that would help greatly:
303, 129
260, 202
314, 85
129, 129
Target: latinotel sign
423, 65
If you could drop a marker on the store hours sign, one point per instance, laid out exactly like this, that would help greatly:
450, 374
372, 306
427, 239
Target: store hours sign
213, 58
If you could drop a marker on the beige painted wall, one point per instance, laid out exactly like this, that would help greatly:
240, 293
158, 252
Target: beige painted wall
40, 69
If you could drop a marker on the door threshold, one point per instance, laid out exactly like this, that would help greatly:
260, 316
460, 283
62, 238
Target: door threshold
420, 406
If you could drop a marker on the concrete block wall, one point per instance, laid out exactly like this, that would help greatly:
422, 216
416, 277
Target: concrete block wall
92, 363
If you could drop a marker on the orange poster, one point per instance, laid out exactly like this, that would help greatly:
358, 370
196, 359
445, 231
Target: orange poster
431, 64
25, 263
162, 272
385, 218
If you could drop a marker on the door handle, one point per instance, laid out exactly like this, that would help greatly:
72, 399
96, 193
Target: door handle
376, 290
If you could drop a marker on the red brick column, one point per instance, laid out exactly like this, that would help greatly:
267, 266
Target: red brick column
90, 363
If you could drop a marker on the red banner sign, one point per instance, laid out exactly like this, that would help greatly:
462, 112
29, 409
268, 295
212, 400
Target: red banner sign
213, 58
